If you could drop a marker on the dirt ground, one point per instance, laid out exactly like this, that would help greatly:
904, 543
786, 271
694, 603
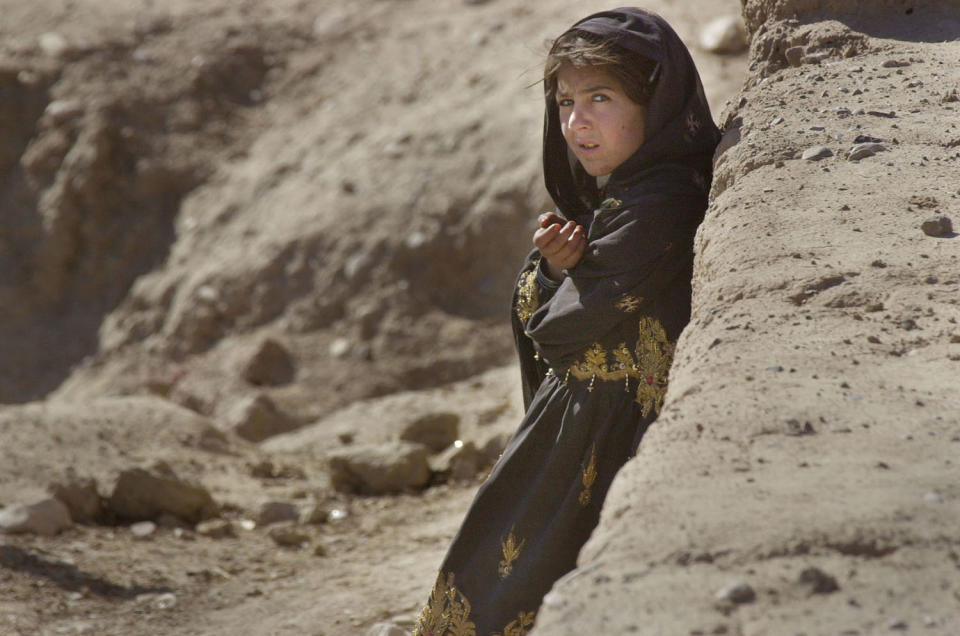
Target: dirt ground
180, 182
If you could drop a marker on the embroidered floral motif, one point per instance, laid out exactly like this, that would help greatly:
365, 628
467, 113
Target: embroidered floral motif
589, 476
527, 297
511, 550
595, 364
649, 364
654, 355
447, 613
629, 303
521, 626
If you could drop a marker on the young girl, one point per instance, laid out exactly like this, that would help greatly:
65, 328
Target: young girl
627, 156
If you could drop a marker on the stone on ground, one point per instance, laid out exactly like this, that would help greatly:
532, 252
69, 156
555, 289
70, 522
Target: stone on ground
140, 495
46, 518
436, 431
378, 469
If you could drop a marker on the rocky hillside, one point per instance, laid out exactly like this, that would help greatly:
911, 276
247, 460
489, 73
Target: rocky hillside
245, 249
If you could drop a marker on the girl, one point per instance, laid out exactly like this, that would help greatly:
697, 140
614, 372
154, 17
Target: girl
627, 156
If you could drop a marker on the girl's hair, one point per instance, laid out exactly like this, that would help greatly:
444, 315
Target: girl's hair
580, 49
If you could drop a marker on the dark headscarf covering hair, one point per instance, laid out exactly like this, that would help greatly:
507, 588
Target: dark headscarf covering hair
680, 135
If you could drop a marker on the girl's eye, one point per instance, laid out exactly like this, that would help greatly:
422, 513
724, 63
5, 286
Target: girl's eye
599, 97
564, 103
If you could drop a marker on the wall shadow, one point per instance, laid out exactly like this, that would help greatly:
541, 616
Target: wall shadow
69, 577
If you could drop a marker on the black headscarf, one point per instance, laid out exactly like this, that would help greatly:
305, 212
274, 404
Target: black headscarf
679, 138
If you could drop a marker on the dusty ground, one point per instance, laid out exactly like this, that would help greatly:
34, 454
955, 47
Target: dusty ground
177, 183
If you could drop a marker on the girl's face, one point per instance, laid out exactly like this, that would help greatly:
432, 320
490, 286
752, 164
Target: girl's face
600, 123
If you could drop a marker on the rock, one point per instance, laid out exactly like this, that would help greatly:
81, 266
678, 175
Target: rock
143, 529
950, 96
52, 44
216, 529
140, 495
864, 150
61, 110
340, 348
933, 497
80, 496
461, 461
46, 518
387, 629
258, 418
795, 428
317, 514
288, 536
270, 364
211, 439
436, 431
165, 601
816, 581
937, 226
377, 469
737, 593
816, 153
276, 512
794, 55
726, 34
897, 625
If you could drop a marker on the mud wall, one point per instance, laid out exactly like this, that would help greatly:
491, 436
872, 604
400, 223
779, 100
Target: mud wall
803, 475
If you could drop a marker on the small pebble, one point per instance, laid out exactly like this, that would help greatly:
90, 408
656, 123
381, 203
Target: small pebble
816, 153
933, 497
864, 150
737, 593
143, 529
937, 226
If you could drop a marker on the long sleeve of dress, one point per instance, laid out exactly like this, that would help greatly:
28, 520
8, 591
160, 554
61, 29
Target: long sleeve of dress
528, 294
632, 254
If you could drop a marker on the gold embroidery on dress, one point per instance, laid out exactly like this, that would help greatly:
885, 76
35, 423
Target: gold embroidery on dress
655, 355
527, 297
511, 550
595, 366
629, 303
649, 364
520, 626
447, 613
589, 476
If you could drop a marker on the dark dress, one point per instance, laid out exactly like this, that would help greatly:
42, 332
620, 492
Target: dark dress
595, 350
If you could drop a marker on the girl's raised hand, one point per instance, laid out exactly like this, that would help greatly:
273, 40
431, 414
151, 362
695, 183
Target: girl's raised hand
560, 242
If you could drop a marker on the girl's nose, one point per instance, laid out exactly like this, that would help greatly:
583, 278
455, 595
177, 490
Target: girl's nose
579, 118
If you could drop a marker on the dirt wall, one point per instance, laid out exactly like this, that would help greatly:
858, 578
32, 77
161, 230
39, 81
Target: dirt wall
803, 475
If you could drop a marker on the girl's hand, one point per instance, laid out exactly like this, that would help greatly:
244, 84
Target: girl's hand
560, 243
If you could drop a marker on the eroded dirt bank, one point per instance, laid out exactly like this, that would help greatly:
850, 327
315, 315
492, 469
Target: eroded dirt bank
803, 475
